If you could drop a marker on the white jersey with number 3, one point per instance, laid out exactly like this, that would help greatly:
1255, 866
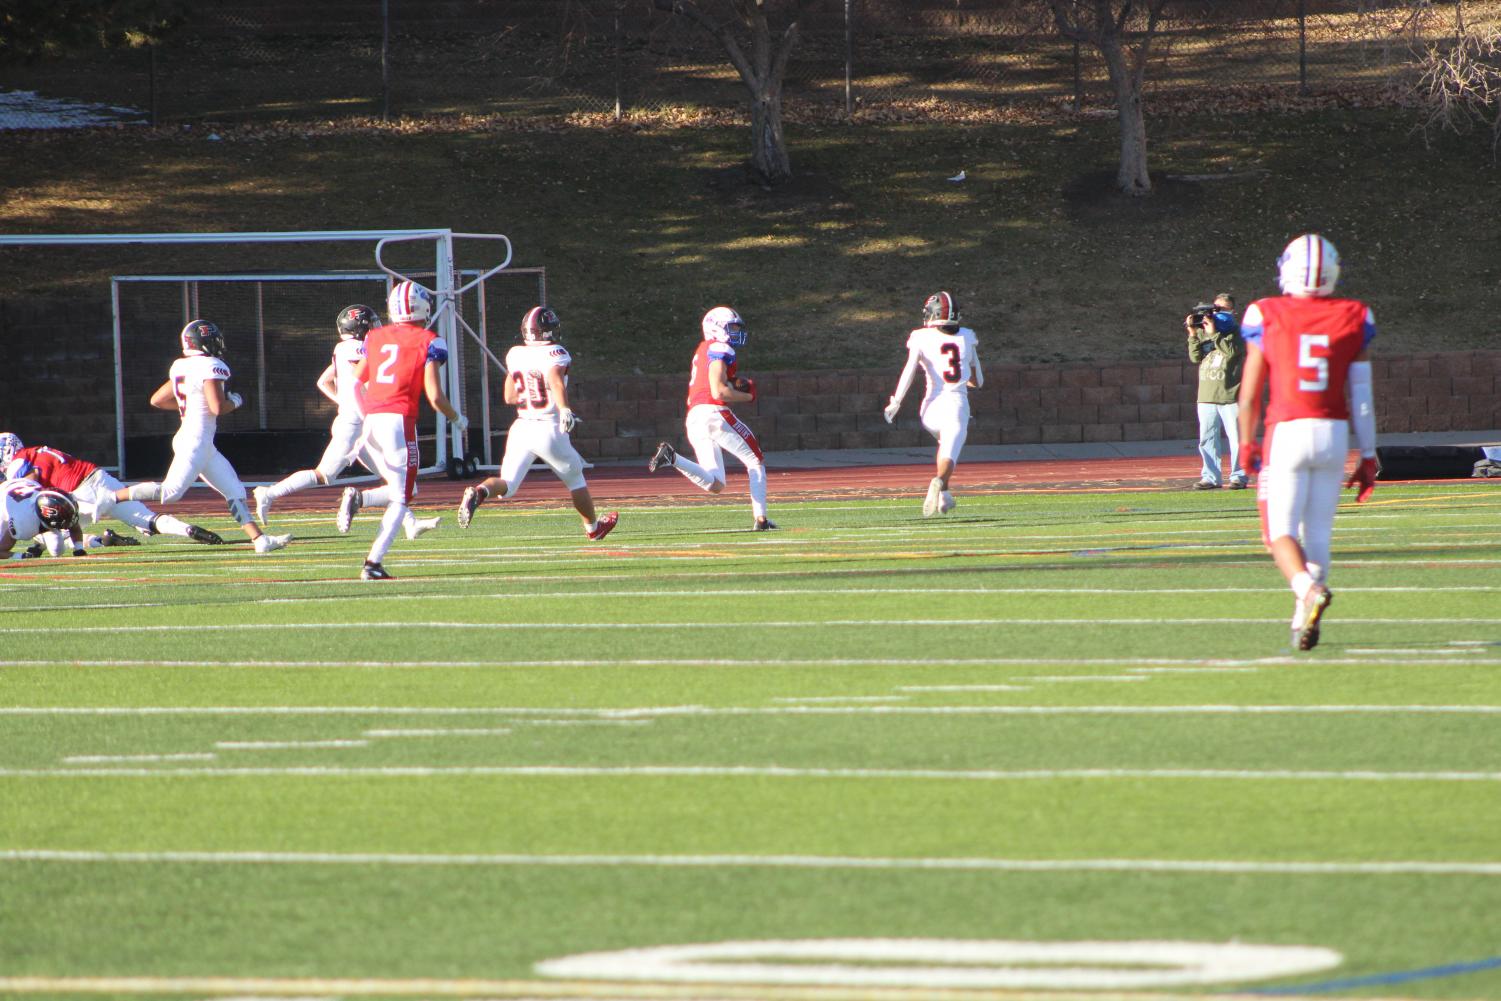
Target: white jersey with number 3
528, 365
947, 360
189, 375
349, 391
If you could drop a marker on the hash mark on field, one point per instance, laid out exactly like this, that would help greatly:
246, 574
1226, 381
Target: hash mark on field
455, 732
839, 698
961, 688
1064, 678
284, 745
104, 759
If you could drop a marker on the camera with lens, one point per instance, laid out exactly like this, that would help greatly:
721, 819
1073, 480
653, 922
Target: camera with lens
1203, 311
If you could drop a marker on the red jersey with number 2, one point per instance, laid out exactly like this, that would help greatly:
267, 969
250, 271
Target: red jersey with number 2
708, 352
395, 357
1308, 344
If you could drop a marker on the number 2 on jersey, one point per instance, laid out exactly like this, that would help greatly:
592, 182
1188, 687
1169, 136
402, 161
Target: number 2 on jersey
383, 373
531, 390
1308, 360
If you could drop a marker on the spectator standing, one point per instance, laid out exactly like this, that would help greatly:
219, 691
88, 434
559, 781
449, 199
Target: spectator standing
1215, 345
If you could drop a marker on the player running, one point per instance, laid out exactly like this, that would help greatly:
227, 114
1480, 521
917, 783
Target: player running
1310, 350
27, 510
401, 363
92, 489
195, 387
713, 428
338, 383
537, 387
948, 355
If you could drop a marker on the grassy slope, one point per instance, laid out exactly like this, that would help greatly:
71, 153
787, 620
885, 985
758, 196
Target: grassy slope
642, 230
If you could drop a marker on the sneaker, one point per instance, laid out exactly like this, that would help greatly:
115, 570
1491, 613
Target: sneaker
945, 502
114, 538
374, 571
764, 525
1313, 604
468, 504
665, 456
349, 505
1237, 485
603, 526
1206, 485
421, 526
32, 552
935, 496
262, 503
204, 536
271, 543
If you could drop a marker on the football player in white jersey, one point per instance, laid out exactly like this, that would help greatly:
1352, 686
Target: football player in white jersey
195, 388
27, 510
949, 357
338, 383
537, 386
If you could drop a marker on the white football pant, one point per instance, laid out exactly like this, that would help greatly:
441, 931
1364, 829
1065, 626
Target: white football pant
1300, 484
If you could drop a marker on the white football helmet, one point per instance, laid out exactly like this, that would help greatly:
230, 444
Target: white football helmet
409, 302
1309, 266
9, 445
723, 324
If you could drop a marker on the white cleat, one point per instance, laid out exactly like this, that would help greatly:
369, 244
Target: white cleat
945, 502
349, 505
262, 504
271, 543
935, 497
421, 526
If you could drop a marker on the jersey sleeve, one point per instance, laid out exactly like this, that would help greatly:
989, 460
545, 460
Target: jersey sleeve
217, 370
719, 351
558, 357
1368, 329
437, 351
1252, 325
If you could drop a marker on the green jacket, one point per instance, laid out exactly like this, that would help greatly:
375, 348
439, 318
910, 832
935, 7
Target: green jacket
1220, 359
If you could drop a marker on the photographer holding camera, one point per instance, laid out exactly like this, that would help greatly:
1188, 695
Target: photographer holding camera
1215, 344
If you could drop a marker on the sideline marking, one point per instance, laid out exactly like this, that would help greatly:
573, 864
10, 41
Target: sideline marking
1206, 663
948, 963
1397, 977
740, 771
1389, 868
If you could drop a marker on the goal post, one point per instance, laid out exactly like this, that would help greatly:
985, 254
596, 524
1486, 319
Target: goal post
280, 327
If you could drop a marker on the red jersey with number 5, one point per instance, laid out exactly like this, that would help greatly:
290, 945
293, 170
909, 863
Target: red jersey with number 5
1308, 344
395, 358
54, 470
699, 390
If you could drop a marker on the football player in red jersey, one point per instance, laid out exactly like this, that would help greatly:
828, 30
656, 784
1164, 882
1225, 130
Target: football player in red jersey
93, 490
712, 426
1310, 350
401, 364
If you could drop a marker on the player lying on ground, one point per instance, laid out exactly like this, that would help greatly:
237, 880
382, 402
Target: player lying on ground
27, 510
712, 427
90, 487
1310, 350
949, 356
195, 387
338, 383
537, 386
401, 363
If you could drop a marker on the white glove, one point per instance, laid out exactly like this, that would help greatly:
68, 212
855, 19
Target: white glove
891, 409
236, 399
568, 420
461, 422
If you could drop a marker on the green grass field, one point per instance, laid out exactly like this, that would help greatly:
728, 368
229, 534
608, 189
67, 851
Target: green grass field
1049, 717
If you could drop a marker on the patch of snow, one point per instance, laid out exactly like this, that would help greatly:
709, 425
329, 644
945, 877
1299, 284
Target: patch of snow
25, 109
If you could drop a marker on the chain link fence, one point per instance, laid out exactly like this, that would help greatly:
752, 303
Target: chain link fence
243, 62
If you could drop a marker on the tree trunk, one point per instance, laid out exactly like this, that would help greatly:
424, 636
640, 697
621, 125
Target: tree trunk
1132, 177
769, 159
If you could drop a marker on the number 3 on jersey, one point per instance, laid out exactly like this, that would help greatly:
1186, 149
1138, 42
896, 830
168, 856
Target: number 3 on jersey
1318, 364
951, 351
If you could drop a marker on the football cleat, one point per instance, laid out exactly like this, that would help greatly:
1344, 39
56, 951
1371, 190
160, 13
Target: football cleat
374, 571
204, 536
603, 526
114, 538
764, 525
665, 456
31, 552
271, 543
421, 526
468, 504
933, 499
262, 503
1313, 605
349, 505
945, 502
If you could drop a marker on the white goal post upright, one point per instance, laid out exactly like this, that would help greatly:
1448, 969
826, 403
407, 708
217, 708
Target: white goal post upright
447, 280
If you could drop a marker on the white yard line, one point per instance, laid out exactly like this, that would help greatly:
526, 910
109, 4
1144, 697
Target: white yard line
132, 759
762, 772
286, 745
1209, 664
454, 732
1335, 868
